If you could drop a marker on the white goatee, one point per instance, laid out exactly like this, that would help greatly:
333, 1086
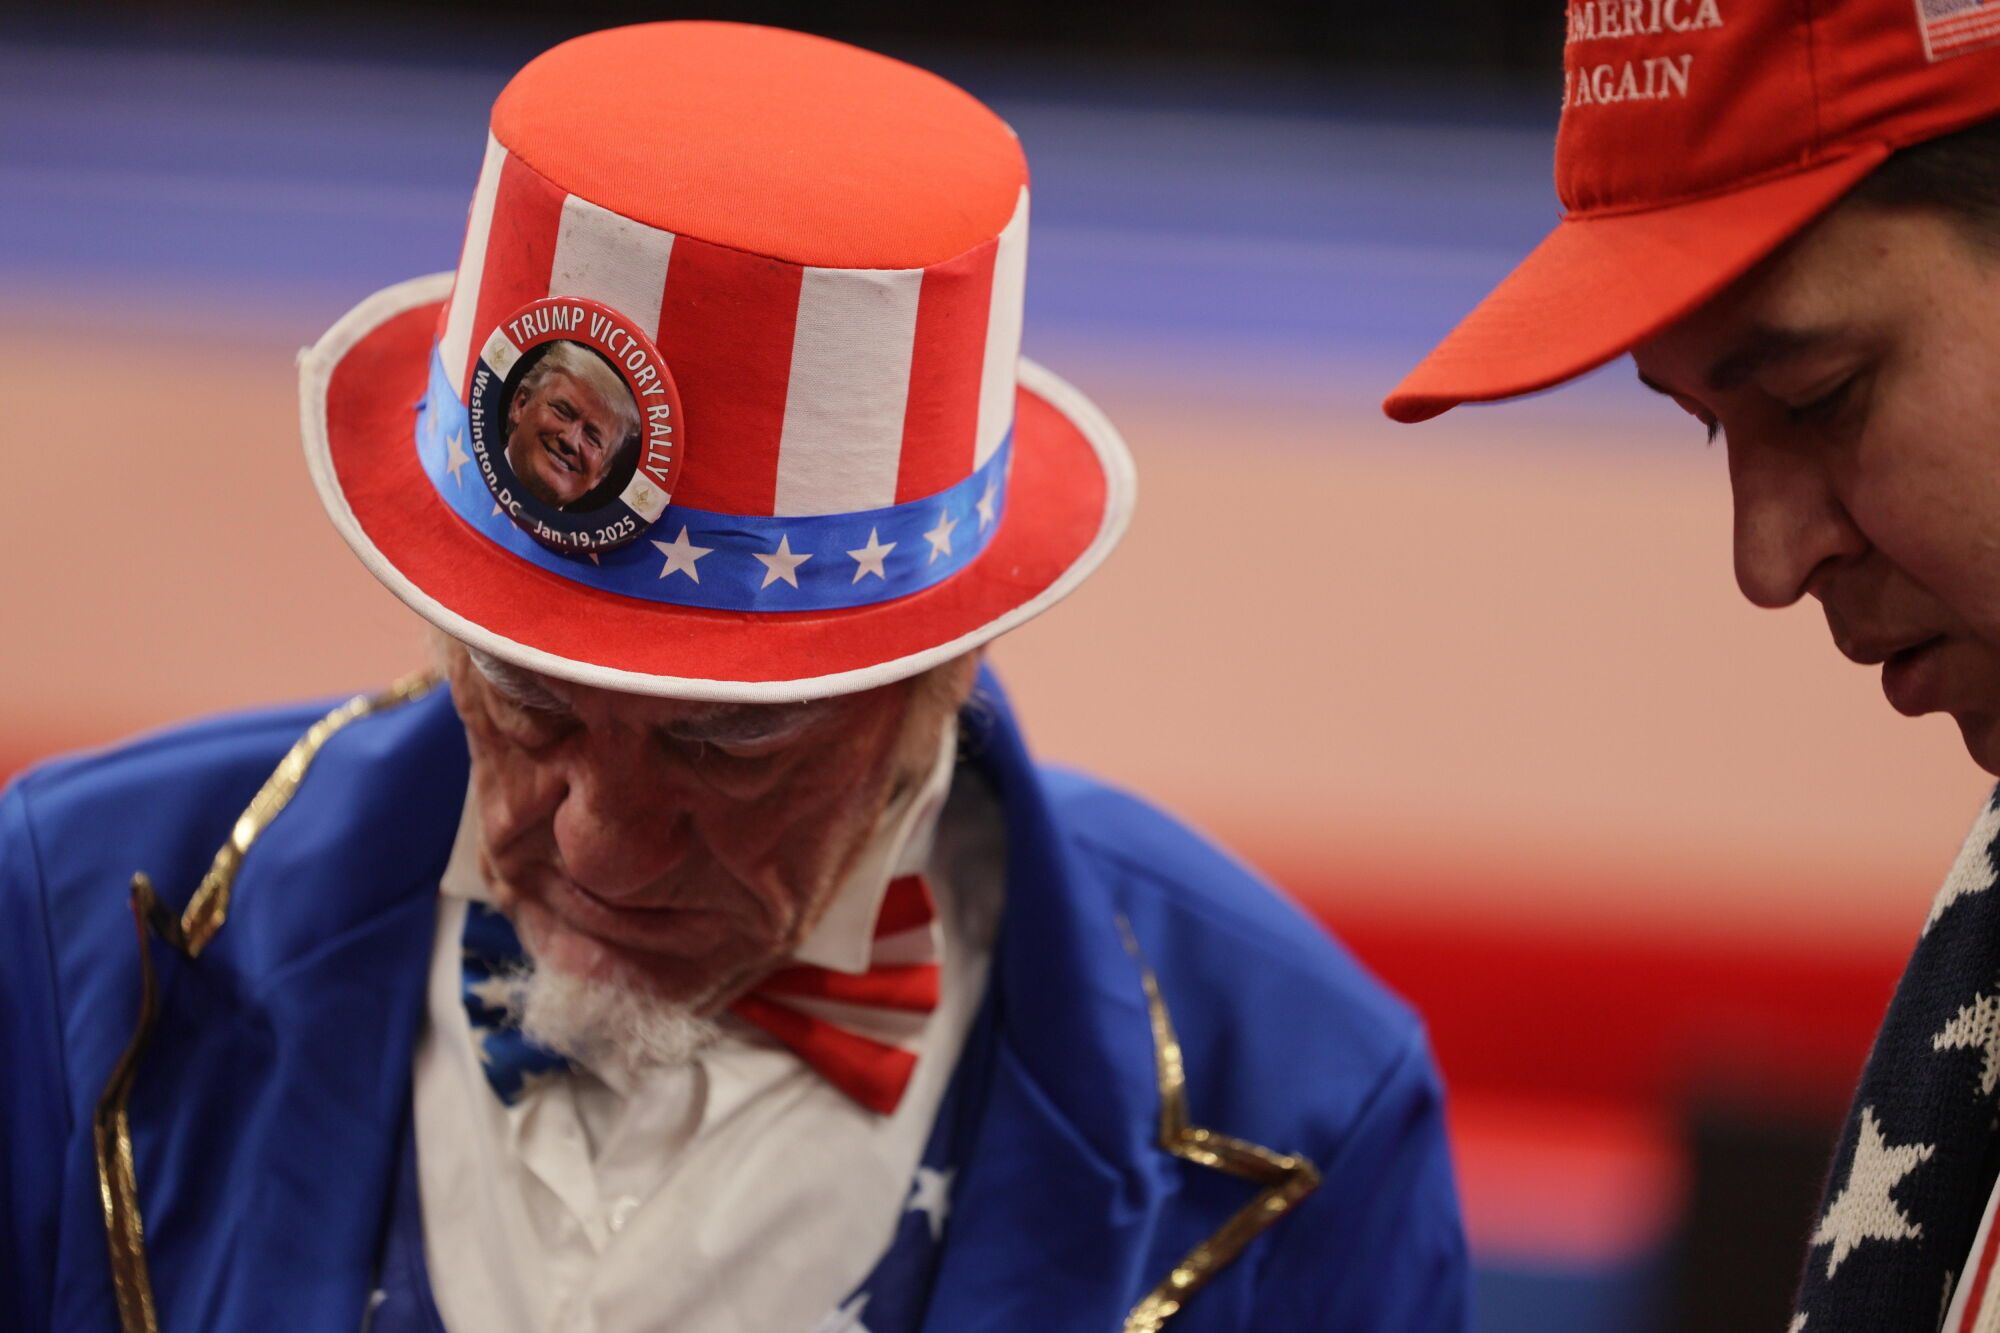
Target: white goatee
605, 1023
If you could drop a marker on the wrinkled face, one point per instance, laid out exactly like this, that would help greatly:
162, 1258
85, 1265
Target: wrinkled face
1856, 378
681, 848
561, 438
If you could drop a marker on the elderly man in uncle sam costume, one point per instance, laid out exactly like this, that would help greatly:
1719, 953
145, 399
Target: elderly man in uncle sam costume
1790, 215
699, 949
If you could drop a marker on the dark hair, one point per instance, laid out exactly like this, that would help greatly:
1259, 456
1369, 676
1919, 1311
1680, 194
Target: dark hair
1958, 174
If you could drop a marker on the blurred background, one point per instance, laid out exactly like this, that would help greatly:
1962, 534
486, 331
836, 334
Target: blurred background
1480, 693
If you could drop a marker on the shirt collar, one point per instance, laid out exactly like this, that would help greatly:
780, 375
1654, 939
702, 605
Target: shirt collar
845, 937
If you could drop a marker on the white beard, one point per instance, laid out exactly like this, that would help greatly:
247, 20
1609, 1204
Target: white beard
606, 1023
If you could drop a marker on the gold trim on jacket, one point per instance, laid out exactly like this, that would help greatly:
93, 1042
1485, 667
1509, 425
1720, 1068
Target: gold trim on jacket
1286, 1178
188, 934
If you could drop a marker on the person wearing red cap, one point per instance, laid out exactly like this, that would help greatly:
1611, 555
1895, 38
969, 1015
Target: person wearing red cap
1790, 217
698, 947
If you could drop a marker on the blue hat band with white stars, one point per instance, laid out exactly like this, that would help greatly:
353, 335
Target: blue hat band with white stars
737, 562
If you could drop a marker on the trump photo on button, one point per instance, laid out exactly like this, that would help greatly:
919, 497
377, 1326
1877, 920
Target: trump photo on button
696, 944
571, 425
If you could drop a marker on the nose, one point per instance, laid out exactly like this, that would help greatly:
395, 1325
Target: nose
622, 827
574, 437
1788, 521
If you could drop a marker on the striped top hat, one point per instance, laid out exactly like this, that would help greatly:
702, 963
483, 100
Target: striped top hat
724, 400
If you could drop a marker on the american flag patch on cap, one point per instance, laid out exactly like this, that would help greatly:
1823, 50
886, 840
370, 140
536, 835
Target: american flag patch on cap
1954, 27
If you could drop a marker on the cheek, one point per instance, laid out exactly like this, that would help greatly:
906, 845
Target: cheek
513, 798
860, 770
515, 793
786, 824
1921, 478
812, 819
1939, 527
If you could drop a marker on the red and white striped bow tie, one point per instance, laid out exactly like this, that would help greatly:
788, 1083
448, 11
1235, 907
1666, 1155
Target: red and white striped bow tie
859, 1030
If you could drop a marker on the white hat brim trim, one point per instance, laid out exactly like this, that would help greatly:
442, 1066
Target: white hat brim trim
316, 367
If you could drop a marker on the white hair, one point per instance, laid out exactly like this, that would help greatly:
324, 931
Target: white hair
603, 1022
584, 365
512, 682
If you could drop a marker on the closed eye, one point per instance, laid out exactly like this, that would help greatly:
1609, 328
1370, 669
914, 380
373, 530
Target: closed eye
1712, 424
1824, 406
535, 700
747, 732
751, 744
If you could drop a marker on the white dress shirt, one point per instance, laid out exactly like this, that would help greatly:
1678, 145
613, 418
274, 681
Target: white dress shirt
741, 1193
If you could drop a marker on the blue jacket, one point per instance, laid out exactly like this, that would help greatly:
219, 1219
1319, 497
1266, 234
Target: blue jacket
267, 1108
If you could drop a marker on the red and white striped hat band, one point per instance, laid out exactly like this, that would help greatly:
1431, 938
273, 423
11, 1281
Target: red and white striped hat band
793, 450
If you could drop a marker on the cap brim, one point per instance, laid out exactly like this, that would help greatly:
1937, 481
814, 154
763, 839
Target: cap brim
1069, 500
1599, 285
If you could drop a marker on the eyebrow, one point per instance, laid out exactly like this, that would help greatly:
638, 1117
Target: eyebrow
1656, 386
740, 722
589, 426
1761, 347
717, 723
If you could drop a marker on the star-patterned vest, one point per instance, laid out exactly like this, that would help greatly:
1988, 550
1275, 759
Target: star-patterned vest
1921, 1149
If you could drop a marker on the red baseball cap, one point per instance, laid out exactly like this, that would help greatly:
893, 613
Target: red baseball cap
1698, 136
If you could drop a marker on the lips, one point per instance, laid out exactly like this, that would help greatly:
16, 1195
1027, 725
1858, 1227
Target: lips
556, 457
1876, 649
1912, 667
638, 931
612, 922
1913, 677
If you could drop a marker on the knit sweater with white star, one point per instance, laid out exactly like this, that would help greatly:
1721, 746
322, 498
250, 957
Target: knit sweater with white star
1918, 1158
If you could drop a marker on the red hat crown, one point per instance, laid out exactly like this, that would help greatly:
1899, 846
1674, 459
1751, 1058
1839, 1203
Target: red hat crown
724, 399
827, 246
